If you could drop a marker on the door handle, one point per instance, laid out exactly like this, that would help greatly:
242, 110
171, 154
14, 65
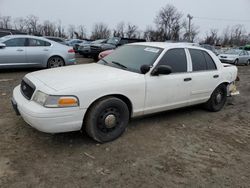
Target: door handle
216, 76
187, 79
19, 50
45, 49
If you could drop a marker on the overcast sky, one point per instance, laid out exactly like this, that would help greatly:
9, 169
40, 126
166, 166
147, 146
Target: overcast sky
207, 13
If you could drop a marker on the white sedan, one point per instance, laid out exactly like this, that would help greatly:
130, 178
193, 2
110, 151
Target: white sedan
135, 80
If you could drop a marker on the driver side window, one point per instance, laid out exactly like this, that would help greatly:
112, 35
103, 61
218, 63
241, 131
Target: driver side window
176, 59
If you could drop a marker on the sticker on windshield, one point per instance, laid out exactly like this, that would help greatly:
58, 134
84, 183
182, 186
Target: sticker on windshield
154, 50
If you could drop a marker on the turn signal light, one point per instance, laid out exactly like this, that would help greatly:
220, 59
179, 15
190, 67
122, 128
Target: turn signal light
67, 101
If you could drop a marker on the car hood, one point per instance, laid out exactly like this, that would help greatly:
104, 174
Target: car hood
88, 75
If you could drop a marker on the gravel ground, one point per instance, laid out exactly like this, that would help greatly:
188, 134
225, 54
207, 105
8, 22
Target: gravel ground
189, 147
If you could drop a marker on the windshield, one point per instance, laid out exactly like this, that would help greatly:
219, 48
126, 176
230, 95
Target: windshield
132, 57
232, 51
114, 40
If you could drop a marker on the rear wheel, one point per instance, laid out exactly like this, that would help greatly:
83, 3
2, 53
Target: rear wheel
107, 119
217, 99
55, 61
236, 62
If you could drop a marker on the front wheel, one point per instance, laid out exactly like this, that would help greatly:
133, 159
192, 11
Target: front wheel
217, 99
55, 61
248, 62
107, 119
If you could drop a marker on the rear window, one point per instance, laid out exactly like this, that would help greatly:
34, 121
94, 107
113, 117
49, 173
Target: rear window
201, 60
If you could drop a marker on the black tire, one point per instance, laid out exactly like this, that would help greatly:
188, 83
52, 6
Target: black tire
107, 119
85, 56
236, 62
217, 99
55, 61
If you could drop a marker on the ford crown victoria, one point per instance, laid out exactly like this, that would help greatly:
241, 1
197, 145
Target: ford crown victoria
135, 80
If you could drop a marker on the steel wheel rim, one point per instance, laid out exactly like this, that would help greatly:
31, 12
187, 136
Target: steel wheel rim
109, 120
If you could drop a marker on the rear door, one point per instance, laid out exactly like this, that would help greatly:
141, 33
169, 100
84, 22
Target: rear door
38, 52
14, 54
205, 76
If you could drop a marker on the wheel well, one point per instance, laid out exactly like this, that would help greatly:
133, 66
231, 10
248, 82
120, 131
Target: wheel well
56, 56
121, 97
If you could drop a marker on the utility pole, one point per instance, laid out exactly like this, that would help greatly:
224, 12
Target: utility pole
189, 26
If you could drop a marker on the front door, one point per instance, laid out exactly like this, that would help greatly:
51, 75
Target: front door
164, 92
14, 54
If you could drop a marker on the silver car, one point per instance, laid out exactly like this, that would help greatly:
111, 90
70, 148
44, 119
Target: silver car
235, 56
19, 51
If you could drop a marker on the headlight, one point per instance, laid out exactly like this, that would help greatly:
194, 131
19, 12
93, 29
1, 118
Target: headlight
53, 101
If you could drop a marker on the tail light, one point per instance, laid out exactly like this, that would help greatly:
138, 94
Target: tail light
71, 51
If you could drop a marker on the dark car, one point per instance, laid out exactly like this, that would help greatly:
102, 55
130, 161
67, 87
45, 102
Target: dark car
111, 44
84, 48
56, 39
5, 32
209, 47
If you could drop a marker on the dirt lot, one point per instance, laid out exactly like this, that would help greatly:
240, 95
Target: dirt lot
184, 148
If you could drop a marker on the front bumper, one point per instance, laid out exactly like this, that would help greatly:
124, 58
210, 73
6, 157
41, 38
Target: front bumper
231, 61
49, 120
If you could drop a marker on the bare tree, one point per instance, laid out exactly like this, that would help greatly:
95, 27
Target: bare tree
20, 24
132, 31
32, 23
212, 37
153, 35
237, 35
119, 31
71, 30
100, 31
5, 22
49, 28
82, 31
168, 20
194, 31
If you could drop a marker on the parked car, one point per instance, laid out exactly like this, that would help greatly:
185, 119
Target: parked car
104, 54
5, 32
56, 39
135, 80
111, 44
18, 51
85, 42
84, 48
209, 47
235, 56
74, 43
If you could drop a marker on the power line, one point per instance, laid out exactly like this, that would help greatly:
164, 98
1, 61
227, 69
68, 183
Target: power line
221, 19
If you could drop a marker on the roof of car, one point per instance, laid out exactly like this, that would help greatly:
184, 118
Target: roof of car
165, 45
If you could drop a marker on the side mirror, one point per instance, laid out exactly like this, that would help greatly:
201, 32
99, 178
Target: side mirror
145, 69
2, 45
162, 69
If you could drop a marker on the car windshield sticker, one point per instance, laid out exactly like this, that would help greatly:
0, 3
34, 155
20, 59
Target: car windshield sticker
154, 50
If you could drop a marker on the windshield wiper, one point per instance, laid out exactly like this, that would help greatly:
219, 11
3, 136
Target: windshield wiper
119, 64
104, 61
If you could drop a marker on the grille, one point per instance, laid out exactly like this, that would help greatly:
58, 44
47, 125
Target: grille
27, 89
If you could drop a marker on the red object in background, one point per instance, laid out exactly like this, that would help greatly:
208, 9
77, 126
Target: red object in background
104, 53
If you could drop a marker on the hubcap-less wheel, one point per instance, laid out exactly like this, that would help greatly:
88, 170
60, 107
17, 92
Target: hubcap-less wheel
55, 62
107, 119
217, 99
